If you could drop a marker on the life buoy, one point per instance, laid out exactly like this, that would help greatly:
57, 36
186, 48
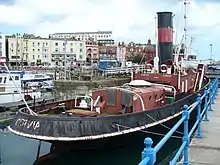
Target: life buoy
163, 68
149, 68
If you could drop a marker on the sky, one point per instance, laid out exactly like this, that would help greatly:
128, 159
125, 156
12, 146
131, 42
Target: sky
130, 20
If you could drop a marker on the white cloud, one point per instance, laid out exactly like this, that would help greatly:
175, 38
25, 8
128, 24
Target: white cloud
128, 19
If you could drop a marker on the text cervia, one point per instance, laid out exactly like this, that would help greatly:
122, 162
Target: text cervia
27, 123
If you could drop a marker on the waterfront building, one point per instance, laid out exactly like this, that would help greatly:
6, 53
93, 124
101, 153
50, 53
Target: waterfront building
121, 53
2, 48
27, 50
30, 50
92, 50
136, 49
99, 35
102, 37
75, 51
108, 52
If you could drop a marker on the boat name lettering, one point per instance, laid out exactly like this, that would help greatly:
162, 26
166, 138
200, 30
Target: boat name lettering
27, 123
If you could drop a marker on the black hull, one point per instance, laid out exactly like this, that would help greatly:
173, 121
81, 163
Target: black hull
132, 139
118, 147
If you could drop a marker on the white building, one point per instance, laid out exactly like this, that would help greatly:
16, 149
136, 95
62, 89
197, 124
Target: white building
30, 50
75, 51
2, 48
99, 35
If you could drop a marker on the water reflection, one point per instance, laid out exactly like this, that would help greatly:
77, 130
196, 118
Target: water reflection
16, 150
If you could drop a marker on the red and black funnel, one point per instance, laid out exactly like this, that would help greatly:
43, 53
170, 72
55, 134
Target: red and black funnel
165, 36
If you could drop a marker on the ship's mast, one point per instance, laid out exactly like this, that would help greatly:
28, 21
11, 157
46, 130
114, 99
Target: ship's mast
186, 3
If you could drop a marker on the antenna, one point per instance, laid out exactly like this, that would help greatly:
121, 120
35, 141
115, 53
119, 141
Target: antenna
186, 3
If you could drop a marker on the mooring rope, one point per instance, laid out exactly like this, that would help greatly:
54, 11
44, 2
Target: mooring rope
163, 125
148, 132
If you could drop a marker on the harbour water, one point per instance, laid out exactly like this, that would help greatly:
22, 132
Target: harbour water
16, 150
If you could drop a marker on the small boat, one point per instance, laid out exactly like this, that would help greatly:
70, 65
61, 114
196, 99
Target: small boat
34, 80
47, 87
151, 102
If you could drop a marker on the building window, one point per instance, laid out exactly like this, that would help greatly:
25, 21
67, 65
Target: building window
38, 56
71, 49
38, 50
80, 56
33, 43
38, 43
80, 50
71, 44
33, 57
56, 50
33, 50
56, 44
80, 44
26, 56
63, 44
46, 44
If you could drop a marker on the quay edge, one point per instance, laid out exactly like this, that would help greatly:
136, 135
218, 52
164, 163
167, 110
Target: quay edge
92, 84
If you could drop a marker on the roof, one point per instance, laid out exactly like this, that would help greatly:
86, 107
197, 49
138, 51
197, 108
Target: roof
98, 32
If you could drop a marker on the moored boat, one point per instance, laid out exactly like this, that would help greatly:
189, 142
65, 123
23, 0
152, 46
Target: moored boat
113, 116
30, 78
11, 84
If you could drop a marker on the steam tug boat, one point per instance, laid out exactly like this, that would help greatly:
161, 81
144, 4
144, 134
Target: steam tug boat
112, 116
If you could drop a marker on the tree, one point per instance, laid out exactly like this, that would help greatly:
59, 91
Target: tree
137, 58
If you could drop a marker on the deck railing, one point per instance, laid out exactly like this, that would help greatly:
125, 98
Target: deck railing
208, 96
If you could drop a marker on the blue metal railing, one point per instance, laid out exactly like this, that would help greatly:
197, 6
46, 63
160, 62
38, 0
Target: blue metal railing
149, 153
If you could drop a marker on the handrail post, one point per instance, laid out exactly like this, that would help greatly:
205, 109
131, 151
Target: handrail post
199, 100
186, 135
149, 151
216, 86
206, 105
210, 97
213, 92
